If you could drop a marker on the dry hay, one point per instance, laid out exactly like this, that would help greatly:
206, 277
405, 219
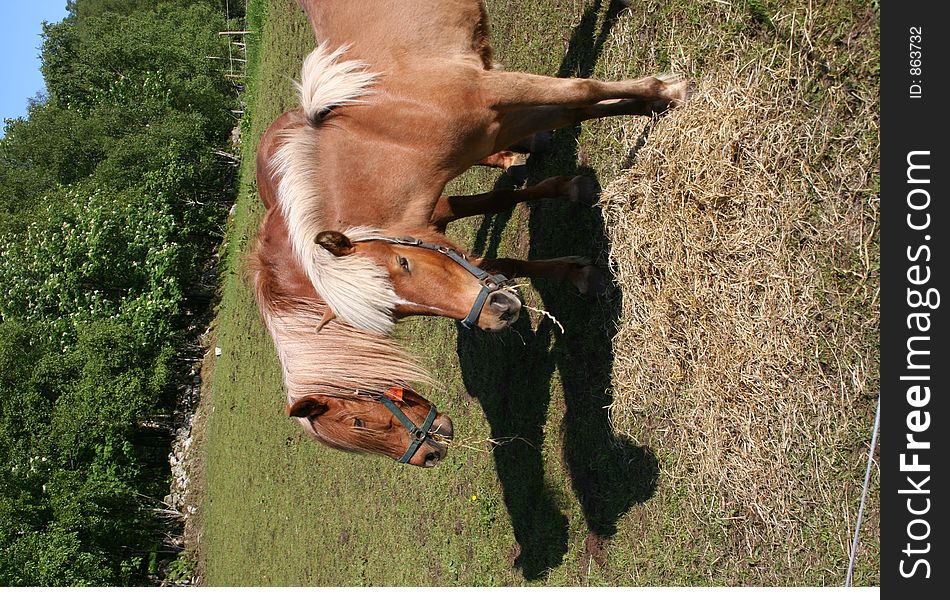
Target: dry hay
744, 240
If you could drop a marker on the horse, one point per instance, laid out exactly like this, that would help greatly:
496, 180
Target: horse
336, 378
354, 234
352, 389
386, 121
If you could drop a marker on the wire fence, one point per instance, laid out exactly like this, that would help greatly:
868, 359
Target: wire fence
234, 64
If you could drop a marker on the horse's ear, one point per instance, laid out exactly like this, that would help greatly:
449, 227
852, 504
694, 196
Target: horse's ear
335, 242
307, 408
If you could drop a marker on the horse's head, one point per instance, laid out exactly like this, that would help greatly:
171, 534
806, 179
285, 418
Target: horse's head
401, 425
433, 279
345, 384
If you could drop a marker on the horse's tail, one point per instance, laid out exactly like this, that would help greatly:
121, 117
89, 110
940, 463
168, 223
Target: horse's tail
327, 82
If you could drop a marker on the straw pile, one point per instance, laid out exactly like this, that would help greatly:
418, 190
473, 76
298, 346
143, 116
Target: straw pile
744, 239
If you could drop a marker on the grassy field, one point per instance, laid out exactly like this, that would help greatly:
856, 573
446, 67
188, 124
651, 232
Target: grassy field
606, 472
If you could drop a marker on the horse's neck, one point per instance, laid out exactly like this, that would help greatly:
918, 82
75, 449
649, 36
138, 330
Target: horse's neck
371, 182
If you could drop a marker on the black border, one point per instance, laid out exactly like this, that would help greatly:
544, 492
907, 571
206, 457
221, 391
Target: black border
913, 124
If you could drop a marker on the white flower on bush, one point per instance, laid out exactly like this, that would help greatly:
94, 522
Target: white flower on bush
104, 255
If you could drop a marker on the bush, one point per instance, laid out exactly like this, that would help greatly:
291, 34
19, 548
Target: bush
110, 202
98, 255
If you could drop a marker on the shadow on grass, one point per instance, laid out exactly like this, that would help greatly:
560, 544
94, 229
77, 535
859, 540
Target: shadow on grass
512, 374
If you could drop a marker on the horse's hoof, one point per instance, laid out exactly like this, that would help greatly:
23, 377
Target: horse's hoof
678, 90
585, 276
582, 190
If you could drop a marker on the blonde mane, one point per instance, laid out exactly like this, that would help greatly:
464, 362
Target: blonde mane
357, 289
327, 82
339, 360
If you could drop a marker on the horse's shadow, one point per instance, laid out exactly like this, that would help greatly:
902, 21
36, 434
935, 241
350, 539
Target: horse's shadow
608, 473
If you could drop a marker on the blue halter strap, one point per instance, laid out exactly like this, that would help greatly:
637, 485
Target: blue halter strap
416, 434
489, 282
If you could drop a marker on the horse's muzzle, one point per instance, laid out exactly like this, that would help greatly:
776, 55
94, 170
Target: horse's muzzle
437, 444
503, 308
505, 304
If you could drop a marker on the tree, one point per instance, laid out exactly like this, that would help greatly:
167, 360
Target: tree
109, 202
83, 59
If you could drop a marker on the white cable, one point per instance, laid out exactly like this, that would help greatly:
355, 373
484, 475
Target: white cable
864, 493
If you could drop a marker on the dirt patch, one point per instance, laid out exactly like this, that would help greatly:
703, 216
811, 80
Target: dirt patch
193, 461
514, 553
595, 549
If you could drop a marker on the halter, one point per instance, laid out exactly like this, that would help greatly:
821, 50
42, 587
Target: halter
489, 282
418, 434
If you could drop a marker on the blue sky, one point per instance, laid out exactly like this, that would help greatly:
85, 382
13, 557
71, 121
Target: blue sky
20, 28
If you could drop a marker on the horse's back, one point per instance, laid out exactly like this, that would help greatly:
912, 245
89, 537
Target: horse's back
384, 32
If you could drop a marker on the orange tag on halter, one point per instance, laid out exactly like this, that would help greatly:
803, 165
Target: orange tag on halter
395, 394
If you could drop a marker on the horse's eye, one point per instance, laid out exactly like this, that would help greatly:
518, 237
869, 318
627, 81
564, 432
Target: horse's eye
404, 263
357, 423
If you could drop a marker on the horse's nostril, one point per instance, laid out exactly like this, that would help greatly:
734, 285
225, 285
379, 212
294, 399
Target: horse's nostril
432, 458
500, 303
505, 306
503, 303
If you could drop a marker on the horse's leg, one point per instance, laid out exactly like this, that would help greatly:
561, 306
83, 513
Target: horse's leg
452, 208
576, 270
503, 159
515, 154
522, 122
506, 90
536, 143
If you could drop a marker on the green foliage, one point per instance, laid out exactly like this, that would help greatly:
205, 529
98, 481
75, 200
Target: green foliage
59, 527
63, 270
181, 570
51, 558
84, 9
74, 477
53, 143
111, 199
82, 59
131, 93
25, 402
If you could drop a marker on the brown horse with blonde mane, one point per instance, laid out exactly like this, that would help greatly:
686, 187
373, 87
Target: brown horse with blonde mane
398, 98
336, 374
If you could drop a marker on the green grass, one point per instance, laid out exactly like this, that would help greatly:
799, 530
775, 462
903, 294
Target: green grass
563, 490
